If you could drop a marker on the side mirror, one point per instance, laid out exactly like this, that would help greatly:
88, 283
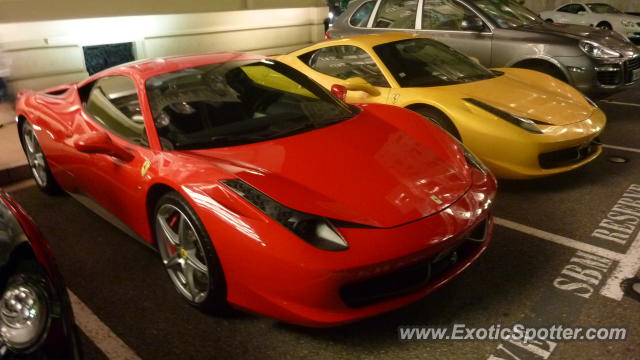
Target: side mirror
339, 91
472, 24
475, 59
99, 142
360, 84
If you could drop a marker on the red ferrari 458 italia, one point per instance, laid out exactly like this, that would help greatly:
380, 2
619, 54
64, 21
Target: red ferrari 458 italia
261, 189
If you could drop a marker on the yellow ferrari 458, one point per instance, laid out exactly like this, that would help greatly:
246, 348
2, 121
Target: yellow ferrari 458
520, 123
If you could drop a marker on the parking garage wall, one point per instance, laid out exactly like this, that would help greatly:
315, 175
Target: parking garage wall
49, 53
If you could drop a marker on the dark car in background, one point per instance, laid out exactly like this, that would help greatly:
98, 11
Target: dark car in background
503, 33
36, 319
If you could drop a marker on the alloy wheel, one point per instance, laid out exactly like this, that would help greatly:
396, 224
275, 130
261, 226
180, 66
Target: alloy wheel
182, 253
35, 156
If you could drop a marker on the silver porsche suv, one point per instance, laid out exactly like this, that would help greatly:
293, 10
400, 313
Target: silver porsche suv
502, 33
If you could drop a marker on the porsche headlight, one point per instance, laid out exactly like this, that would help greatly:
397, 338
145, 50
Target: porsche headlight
520, 121
315, 230
598, 51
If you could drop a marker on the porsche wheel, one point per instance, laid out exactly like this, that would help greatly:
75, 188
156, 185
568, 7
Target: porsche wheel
188, 254
439, 119
37, 160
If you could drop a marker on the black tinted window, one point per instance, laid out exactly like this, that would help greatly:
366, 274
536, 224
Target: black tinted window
446, 15
361, 17
113, 103
238, 103
344, 62
396, 14
422, 62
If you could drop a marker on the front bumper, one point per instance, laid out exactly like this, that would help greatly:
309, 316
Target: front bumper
281, 276
559, 149
601, 76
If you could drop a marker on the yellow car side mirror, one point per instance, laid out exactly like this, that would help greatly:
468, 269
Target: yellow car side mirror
360, 84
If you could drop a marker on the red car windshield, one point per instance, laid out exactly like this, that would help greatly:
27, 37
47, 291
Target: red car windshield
237, 103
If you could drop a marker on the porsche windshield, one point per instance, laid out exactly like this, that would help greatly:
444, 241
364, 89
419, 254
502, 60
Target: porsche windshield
508, 13
422, 62
237, 103
603, 9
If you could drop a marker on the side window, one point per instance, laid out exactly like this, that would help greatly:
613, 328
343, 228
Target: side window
361, 17
572, 8
446, 15
344, 62
113, 103
580, 8
396, 14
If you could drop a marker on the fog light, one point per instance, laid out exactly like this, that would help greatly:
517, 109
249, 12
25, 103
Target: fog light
608, 68
23, 316
576, 69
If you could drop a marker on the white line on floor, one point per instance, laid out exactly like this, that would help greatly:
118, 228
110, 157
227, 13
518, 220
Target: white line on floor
627, 268
111, 345
620, 103
561, 240
621, 148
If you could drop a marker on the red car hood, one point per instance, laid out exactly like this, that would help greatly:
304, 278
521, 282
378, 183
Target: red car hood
383, 169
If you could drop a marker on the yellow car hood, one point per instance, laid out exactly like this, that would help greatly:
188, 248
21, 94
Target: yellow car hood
552, 101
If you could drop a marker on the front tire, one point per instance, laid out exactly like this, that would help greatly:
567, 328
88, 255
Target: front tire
604, 26
188, 254
38, 161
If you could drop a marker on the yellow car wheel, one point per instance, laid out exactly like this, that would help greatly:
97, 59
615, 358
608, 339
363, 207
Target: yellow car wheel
437, 117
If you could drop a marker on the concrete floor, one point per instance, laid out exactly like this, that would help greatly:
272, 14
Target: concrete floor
542, 227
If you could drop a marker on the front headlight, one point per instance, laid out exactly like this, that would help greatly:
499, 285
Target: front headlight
598, 51
23, 316
593, 103
473, 160
522, 122
315, 230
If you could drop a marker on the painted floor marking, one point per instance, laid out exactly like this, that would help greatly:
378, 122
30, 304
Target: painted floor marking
627, 268
628, 263
111, 345
623, 148
578, 245
620, 103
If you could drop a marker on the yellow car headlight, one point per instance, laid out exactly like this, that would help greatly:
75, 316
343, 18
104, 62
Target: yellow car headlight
519, 121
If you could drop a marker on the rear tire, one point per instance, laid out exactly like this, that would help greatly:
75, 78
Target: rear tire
37, 160
440, 119
188, 254
604, 26
550, 21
